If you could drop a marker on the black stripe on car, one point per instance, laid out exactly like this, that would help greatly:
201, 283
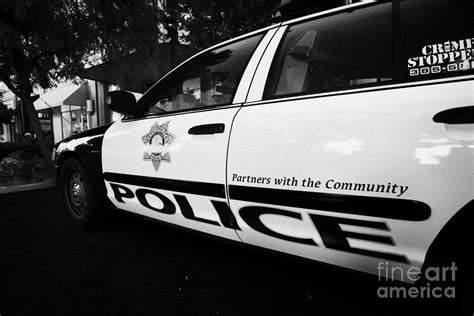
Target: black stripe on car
409, 210
199, 188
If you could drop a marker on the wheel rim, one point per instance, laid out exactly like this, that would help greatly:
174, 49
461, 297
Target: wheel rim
76, 193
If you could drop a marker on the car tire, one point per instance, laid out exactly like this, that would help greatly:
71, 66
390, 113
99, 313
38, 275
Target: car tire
462, 280
466, 286
79, 198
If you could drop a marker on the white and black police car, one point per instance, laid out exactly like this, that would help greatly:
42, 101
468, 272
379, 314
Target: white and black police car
344, 137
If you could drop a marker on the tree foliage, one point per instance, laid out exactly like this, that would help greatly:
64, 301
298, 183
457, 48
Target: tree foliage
50, 40
207, 22
45, 41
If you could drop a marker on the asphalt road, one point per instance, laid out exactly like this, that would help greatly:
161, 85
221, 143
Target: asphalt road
131, 265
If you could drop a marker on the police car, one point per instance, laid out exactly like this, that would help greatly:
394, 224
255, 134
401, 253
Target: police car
344, 137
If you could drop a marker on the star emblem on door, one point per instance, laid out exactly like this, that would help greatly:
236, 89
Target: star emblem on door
158, 136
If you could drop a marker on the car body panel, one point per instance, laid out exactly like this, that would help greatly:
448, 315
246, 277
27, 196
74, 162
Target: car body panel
85, 146
383, 137
197, 162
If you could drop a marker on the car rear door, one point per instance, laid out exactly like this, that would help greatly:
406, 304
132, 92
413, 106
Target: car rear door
170, 163
337, 158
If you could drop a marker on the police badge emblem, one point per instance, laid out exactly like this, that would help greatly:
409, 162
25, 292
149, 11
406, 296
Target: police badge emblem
158, 136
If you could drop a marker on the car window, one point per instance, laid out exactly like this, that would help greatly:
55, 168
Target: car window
437, 38
346, 50
207, 80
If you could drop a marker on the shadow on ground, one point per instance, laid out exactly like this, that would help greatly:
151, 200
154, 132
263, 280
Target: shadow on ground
134, 266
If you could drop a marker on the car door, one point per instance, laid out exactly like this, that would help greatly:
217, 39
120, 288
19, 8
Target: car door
169, 164
337, 157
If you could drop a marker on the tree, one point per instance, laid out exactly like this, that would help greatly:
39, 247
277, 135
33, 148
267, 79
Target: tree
45, 41
207, 22
289, 9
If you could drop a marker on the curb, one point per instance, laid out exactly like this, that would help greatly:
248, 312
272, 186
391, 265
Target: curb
49, 183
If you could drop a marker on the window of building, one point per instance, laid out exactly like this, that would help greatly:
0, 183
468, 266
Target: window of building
208, 80
347, 50
438, 38
73, 120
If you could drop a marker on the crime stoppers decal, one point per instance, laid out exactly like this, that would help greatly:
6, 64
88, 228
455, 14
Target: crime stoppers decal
444, 57
158, 138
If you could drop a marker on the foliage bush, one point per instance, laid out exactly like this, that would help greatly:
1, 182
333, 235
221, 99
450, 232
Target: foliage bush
22, 163
23, 146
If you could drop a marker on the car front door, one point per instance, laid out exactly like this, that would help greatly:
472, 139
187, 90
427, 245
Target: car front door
170, 163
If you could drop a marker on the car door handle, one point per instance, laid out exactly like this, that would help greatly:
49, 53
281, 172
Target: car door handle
462, 115
217, 128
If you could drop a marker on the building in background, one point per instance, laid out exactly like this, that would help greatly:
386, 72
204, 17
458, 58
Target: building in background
62, 110
8, 131
70, 108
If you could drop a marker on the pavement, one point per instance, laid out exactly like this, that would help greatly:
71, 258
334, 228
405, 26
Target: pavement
47, 183
133, 266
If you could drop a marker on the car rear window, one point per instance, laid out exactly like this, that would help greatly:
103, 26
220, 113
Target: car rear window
347, 50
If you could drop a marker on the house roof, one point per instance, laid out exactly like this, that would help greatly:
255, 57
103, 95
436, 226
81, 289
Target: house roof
67, 95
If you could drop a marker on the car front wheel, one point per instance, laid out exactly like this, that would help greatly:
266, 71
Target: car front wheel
78, 195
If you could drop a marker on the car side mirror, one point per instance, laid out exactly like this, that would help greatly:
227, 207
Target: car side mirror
122, 102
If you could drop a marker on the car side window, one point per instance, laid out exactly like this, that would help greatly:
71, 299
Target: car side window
438, 38
342, 51
208, 80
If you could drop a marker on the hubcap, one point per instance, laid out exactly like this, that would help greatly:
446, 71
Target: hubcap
76, 193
